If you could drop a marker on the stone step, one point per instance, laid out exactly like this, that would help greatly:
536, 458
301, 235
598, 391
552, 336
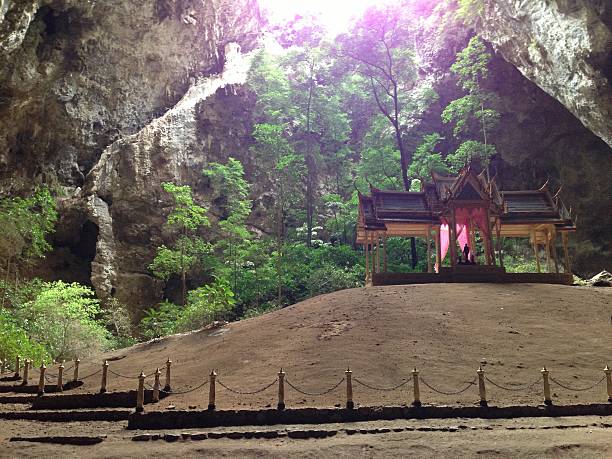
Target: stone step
104, 414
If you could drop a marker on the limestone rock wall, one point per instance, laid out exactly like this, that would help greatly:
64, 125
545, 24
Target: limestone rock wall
563, 46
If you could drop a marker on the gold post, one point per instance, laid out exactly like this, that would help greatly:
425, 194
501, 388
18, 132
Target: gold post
548, 258
41, 380
211, 392
452, 243
377, 252
608, 374
385, 251
281, 390
415, 385
2, 366
438, 248
156, 386
16, 366
26, 372
167, 386
547, 399
104, 377
534, 243
60, 377
75, 376
568, 264
482, 390
140, 395
349, 389
366, 248
554, 250
428, 242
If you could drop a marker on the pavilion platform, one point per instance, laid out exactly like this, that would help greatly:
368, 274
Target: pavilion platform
471, 274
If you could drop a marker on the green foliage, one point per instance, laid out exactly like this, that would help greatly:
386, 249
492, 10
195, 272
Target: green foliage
185, 214
116, 317
25, 223
160, 321
470, 152
426, 159
62, 318
206, 304
471, 65
15, 341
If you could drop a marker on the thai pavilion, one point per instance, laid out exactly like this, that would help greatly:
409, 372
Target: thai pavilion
451, 210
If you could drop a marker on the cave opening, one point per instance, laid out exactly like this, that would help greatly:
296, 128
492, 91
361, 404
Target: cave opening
85, 246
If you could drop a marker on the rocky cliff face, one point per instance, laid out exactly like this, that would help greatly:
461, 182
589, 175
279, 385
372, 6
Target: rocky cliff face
104, 100
563, 46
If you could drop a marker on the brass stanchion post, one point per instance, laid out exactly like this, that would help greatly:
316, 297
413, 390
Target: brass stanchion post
104, 377
60, 378
167, 386
608, 373
156, 386
281, 390
482, 390
41, 380
211, 392
140, 395
547, 399
349, 389
75, 376
415, 386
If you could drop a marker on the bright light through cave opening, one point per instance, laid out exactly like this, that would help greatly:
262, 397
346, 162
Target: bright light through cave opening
335, 15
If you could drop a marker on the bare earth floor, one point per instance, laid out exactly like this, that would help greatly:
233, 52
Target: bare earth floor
576, 437
446, 330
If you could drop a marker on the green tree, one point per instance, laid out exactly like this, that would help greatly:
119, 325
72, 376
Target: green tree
25, 224
185, 220
426, 159
471, 113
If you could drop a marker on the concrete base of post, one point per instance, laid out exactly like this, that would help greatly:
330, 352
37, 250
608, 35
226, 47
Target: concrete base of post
139, 409
417, 404
280, 406
211, 407
40, 393
102, 391
484, 403
350, 405
167, 389
548, 402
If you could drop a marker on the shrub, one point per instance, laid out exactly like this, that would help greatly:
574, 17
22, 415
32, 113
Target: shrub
14, 341
116, 317
205, 305
160, 321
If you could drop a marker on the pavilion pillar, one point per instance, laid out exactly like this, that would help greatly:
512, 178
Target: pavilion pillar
385, 252
452, 243
534, 243
548, 257
367, 258
490, 241
472, 237
499, 241
377, 252
438, 248
553, 247
428, 242
568, 265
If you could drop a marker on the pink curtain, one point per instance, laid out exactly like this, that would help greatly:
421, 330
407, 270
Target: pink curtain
462, 217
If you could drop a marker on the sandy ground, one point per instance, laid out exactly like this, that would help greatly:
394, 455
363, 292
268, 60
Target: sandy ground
576, 437
446, 330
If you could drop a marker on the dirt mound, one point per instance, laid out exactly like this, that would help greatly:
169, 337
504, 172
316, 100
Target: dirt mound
445, 330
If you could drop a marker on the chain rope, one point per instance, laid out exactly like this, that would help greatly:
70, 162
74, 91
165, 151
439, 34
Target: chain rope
178, 392
577, 389
90, 375
248, 393
122, 376
448, 393
514, 389
381, 389
314, 394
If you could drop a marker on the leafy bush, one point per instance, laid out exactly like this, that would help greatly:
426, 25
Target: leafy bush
14, 341
160, 321
61, 318
205, 305
116, 317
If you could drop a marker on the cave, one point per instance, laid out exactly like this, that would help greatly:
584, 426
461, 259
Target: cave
85, 247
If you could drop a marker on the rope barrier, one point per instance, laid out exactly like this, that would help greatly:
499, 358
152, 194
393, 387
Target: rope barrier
514, 389
381, 389
314, 394
576, 389
122, 376
247, 393
179, 392
90, 375
449, 393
